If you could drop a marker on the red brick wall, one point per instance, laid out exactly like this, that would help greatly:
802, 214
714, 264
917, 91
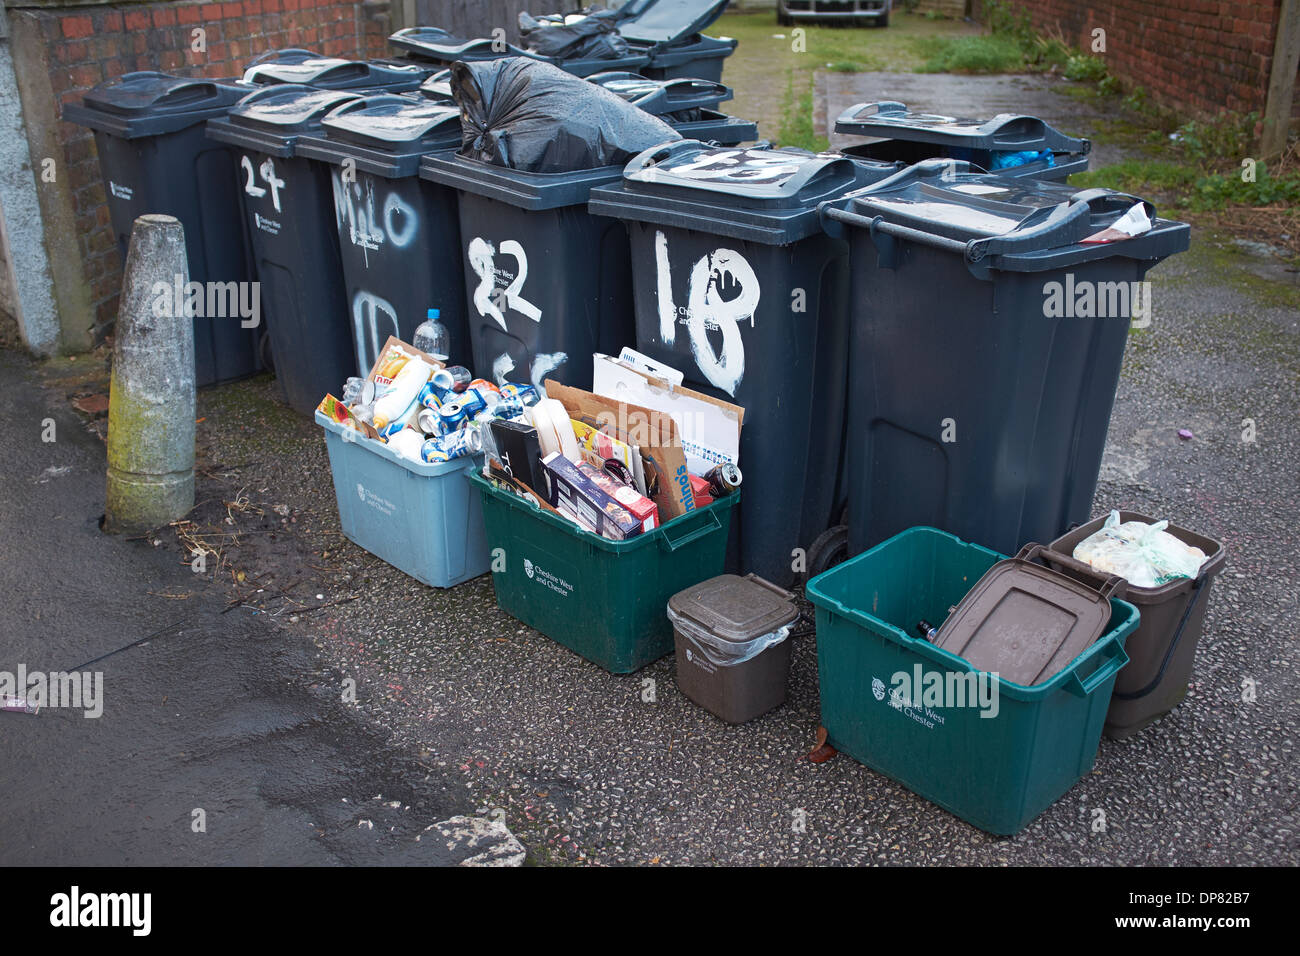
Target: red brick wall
89, 44
1199, 57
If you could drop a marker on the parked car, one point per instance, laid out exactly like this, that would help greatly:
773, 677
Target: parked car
789, 12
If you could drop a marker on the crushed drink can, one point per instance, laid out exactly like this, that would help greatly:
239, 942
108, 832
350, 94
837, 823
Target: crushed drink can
508, 408
467, 441
429, 397
490, 396
453, 414
723, 479
528, 395
429, 422
472, 402
454, 378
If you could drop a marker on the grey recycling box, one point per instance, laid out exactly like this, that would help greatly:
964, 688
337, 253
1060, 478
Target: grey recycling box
909, 136
986, 345
154, 157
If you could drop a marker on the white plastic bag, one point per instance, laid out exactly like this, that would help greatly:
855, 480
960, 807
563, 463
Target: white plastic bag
1146, 555
727, 653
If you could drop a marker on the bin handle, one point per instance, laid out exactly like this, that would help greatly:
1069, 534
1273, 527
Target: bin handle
765, 583
1116, 658
1109, 583
1197, 589
670, 544
854, 114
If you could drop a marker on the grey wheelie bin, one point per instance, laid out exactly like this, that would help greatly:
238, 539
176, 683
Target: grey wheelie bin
669, 32
399, 235
736, 285
1012, 144
687, 105
154, 157
988, 329
288, 203
546, 283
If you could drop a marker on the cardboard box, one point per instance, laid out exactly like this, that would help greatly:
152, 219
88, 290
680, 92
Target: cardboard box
641, 507
576, 493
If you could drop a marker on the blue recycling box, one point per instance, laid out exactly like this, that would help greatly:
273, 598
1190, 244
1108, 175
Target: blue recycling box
423, 519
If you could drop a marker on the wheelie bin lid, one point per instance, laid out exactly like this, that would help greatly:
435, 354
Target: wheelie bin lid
667, 22
385, 134
521, 188
1026, 622
1006, 132
288, 54
148, 103
438, 87
696, 48
756, 194
443, 47
333, 73
663, 97
1001, 222
272, 119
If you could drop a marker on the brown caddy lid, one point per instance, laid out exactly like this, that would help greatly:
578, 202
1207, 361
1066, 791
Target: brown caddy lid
736, 608
1026, 622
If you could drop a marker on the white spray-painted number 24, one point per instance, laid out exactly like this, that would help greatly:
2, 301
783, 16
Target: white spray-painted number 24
267, 171
482, 258
722, 270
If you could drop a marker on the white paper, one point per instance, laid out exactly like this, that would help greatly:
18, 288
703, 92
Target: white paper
709, 433
645, 363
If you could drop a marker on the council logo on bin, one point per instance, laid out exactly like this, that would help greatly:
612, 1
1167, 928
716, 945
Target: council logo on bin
528, 567
878, 688
361, 491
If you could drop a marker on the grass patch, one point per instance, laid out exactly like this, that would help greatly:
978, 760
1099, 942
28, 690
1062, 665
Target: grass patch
797, 116
973, 54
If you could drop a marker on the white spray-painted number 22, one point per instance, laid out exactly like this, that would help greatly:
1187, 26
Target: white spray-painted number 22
482, 259
267, 170
721, 270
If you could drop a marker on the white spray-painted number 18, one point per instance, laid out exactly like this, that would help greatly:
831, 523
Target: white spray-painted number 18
721, 272
267, 170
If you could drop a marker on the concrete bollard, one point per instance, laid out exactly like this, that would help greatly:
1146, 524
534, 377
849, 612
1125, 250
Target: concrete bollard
151, 398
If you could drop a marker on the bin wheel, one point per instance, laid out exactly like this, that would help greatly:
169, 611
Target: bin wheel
264, 352
882, 21
830, 548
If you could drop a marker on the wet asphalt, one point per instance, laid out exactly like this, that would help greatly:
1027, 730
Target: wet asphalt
215, 712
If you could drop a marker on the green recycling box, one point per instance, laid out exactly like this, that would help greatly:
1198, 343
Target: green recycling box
604, 600
997, 772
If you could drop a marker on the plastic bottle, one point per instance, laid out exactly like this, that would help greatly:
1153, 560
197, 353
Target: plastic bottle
431, 337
